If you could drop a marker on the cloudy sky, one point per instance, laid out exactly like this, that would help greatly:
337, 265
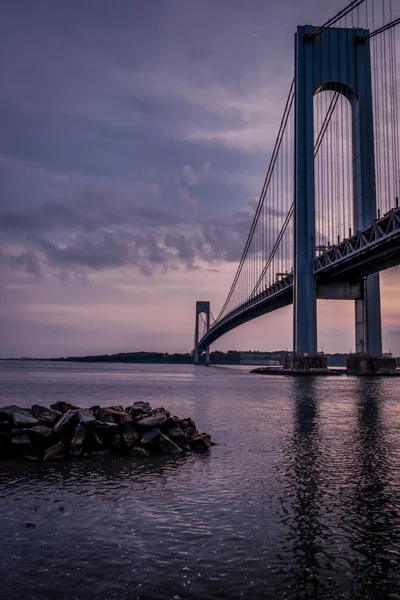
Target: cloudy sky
135, 137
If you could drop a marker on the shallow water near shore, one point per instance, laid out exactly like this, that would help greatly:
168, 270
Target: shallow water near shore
300, 498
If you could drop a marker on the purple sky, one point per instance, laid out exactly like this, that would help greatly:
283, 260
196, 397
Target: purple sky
135, 138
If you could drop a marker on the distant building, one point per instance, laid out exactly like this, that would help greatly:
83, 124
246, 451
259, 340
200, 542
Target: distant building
258, 359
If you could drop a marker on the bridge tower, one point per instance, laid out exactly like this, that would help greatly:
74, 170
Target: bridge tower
202, 306
335, 60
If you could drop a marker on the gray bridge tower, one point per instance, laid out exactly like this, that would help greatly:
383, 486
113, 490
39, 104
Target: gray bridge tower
202, 306
333, 60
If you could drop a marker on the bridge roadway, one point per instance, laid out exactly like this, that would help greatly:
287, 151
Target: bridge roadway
338, 271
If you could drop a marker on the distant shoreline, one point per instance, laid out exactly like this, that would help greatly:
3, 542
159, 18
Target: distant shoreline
231, 357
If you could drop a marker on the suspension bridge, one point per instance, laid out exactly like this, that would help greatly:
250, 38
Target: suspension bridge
328, 217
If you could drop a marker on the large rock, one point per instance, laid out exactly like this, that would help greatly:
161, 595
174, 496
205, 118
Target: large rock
148, 437
22, 418
130, 435
67, 421
6, 412
21, 443
200, 442
190, 432
77, 440
40, 437
104, 427
138, 408
157, 420
176, 434
55, 452
63, 407
110, 415
45, 416
86, 416
167, 446
155, 411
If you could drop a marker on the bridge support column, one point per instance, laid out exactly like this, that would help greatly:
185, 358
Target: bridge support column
334, 61
202, 306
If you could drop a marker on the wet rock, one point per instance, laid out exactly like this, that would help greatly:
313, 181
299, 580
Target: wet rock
149, 436
138, 408
86, 416
63, 407
77, 440
55, 452
130, 435
177, 435
167, 446
68, 420
22, 418
93, 440
21, 443
106, 427
6, 412
185, 423
66, 430
40, 437
139, 451
190, 432
30, 525
40, 431
201, 442
45, 416
109, 415
114, 442
94, 408
156, 411
157, 420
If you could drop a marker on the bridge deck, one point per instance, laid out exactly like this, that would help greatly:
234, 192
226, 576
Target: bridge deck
374, 249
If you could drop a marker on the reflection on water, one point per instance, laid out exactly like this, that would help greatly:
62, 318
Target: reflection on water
377, 538
299, 499
306, 526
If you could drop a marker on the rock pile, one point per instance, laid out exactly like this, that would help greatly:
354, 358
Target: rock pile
67, 431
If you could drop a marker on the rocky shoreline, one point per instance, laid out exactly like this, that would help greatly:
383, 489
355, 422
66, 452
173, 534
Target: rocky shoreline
66, 431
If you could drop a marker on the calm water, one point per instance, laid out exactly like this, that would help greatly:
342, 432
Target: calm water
299, 499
